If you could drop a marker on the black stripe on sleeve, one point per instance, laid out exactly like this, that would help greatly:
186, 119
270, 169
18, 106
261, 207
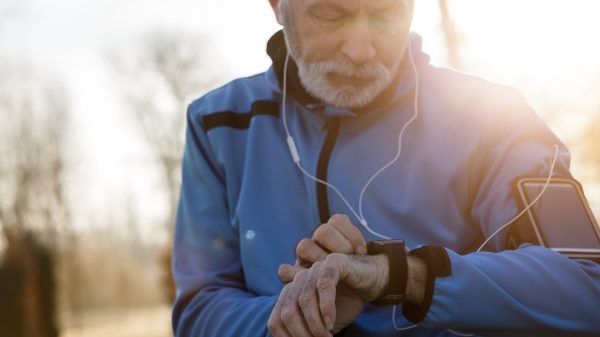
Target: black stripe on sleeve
240, 121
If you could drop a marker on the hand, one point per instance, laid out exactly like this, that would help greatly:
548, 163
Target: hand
338, 235
310, 305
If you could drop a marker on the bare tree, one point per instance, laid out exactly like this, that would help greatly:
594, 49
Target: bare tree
450, 36
32, 157
160, 77
33, 207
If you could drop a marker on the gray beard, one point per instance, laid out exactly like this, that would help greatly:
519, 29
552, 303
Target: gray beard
374, 75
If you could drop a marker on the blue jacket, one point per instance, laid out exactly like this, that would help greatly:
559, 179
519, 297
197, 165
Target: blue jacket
245, 205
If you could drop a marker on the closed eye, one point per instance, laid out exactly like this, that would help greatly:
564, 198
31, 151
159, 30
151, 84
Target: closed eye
328, 13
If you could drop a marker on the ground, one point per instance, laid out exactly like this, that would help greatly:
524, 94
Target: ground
141, 322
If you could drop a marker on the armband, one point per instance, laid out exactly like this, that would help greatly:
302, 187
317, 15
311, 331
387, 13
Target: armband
560, 218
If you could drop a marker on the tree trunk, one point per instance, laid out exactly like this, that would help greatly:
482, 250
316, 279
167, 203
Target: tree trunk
450, 36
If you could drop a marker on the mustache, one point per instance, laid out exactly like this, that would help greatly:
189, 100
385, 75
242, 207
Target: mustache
342, 67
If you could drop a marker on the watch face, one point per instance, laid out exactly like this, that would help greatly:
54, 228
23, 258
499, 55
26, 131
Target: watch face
377, 246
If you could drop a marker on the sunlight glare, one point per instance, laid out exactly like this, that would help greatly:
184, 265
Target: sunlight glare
544, 42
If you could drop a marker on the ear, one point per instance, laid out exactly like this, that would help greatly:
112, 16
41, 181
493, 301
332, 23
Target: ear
275, 6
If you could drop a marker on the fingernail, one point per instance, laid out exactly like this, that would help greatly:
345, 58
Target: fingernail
328, 323
361, 249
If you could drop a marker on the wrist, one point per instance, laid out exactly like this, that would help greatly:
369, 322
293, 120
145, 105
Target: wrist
416, 280
382, 264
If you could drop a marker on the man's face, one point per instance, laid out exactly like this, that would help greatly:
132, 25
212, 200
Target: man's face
347, 51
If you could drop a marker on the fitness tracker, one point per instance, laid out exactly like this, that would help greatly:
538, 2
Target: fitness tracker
398, 270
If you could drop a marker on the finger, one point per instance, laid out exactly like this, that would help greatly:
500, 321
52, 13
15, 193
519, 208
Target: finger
326, 286
309, 305
343, 224
309, 252
274, 324
329, 237
287, 272
290, 313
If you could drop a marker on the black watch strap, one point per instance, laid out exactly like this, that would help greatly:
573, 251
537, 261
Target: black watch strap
398, 270
438, 265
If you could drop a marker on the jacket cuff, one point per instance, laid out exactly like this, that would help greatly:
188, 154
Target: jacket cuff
438, 265
342, 332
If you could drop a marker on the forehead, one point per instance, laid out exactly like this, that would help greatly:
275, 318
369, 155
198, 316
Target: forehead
356, 5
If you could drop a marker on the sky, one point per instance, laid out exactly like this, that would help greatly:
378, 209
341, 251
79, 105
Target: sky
546, 48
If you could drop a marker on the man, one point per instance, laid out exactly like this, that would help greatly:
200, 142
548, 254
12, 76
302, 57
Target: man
351, 128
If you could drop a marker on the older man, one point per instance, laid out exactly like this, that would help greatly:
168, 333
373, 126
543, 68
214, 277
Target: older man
351, 120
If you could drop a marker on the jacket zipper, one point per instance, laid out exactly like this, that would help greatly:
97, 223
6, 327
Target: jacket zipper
333, 130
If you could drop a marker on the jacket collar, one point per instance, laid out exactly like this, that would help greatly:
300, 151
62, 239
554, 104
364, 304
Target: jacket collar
277, 51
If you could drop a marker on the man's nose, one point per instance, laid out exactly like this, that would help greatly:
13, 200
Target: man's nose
358, 44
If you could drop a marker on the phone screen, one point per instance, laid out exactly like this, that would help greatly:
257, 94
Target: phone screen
562, 216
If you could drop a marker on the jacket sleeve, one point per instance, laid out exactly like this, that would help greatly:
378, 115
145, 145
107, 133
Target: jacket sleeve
211, 300
527, 290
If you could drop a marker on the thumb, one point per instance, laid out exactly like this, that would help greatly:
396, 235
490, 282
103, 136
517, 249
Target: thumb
287, 272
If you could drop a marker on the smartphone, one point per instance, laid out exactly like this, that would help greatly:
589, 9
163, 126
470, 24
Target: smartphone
560, 219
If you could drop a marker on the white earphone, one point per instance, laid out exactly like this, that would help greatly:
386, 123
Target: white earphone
296, 157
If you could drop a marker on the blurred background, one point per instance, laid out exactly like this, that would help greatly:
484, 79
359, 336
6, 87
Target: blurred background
92, 102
